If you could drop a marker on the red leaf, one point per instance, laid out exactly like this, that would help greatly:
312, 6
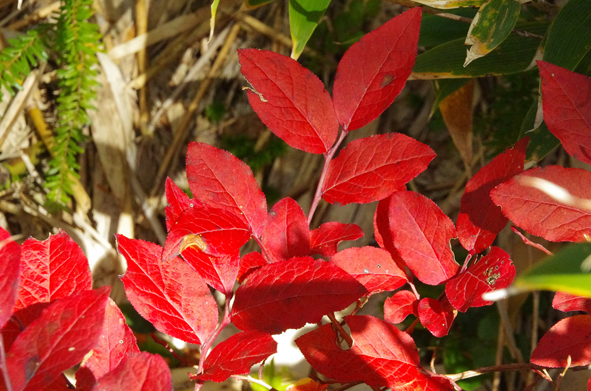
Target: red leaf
374, 70
567, 302
325, 239
58, 340
566, 98
437, 316
171, 295
372, 168
480, 220
399, 306
286, 233
219, 272
178, 201
569, 337
249, 263
421, 234
289, 294
10, 253
493, 271
20, 320
237, 354
372, 267
137, 372
219, 179
541, 215
51, 269
211, 230
381, 356
290, 100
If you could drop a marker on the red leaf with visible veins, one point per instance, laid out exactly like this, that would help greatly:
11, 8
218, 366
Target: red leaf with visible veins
540, 214
381, 356
374, 70
371, 266
480, 220
237, 354
569, 337
137, 372
219, 272
492, 272
51, 269
567, 302
437, 316
290, 100
566, 98
58, 340
289, 294
372, 168
421, 234
286, 233
10, 253
249, 263
399, 306
178, 201
219, 179
325, 239
171, 295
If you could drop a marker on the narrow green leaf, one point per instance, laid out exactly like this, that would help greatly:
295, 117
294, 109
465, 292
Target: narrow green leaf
304, 16
541, 140
214, 8
447, 4
436, 30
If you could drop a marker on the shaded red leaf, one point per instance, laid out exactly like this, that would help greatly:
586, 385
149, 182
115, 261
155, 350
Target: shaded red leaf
372, 267
421, 234
290, 100
137, 372
437, 316
480, 220
219, 272
10, 253
325, 239
372, 168
171, 295
219, 179
492, 272
289, 294
374, 70
399, 306
567, 302
286, 233
249, 263
58, 340
178, 201
381, 356
540, 214
237, 354
51, 269
19, 321
566, 98
569, 337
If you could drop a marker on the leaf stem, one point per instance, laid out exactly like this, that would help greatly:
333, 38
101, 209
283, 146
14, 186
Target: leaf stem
485, 370
3, 365
253, 380
340, 330
205, 347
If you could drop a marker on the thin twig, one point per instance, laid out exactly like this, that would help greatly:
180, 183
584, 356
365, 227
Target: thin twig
141, 23
253, 380
485, 370
340, 330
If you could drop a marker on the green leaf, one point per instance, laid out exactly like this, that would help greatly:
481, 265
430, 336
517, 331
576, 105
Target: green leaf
256, 3
542, 141
565, 271
569, 37
490, 27
447, 4
436, 30
304, 16
214, 8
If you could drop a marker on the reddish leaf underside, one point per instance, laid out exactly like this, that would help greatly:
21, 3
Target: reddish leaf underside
178, 201
437, 316
171, 295
286, 233
51, 269
289, 294
569, 337
290, 100
480, 220
381, 356
399, 306
137, 372
237, 354
566, 98
58, 340
10, 253
372, 168
219, 179
567, 302
541, 215
219, 272
421, 234
374, 70
372, 267
492, 272
325, 239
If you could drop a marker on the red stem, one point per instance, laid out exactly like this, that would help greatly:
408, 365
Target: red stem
205, 347
341, 330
